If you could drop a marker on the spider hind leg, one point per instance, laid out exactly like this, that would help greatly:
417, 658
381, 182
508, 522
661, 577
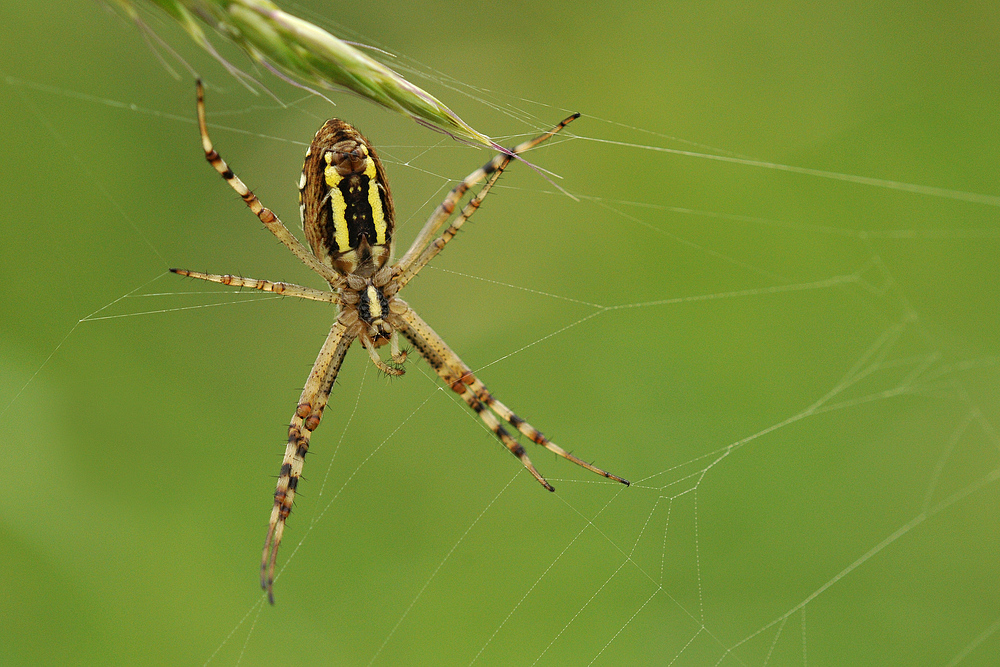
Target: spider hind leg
460, 378
306, 419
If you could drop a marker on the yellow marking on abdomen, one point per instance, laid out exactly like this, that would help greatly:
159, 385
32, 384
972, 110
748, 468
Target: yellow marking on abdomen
375, 202
337, 206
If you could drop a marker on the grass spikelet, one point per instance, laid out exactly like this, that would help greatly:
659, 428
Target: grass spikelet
308, 55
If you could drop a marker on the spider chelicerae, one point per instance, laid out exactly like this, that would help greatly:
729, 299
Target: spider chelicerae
348, 218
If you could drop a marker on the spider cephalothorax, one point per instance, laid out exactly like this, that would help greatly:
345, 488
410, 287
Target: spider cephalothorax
349, 221
372, 314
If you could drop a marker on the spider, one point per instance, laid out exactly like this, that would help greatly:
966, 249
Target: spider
348, 219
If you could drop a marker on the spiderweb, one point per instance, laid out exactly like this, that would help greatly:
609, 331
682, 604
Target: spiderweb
781, 329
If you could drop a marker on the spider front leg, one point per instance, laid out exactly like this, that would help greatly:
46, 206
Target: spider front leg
266, 215
460, 378
423, 248
306, 419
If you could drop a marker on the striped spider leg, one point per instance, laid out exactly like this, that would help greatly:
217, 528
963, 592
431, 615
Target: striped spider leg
462, 381
349, 222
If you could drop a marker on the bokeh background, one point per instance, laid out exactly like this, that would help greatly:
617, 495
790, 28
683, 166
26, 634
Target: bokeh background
799, 373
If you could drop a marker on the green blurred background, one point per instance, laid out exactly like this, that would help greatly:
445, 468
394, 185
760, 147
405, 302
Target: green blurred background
814, 468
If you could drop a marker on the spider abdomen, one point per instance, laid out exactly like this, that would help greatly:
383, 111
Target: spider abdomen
345, 202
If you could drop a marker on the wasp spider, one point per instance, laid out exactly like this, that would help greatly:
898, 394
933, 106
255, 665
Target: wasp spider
348, 218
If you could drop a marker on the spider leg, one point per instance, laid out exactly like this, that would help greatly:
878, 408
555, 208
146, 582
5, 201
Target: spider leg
285, 289
460, 378
373, 353
447, 207
398, 355
270, 220
505, 413
307, 417
431, 251
515, 448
